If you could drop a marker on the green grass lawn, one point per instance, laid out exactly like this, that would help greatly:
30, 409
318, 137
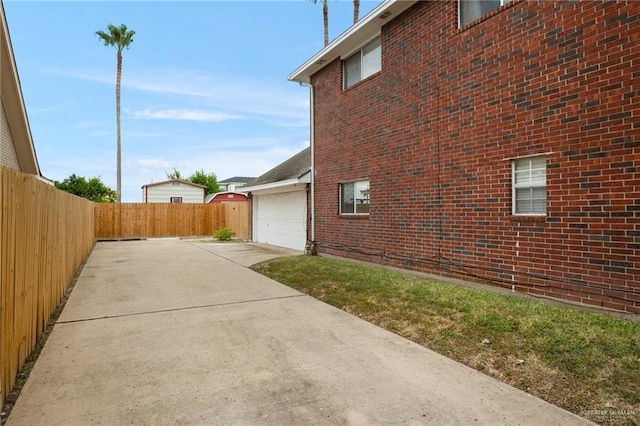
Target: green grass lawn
587, 363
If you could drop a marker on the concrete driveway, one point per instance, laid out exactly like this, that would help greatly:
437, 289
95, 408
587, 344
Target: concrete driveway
181, 332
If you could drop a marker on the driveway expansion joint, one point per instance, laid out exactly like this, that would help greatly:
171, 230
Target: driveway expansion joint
184, 308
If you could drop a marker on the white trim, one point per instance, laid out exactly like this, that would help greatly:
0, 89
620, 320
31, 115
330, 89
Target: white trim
280, 185
515, 187
352, 38
12, 98
355, 204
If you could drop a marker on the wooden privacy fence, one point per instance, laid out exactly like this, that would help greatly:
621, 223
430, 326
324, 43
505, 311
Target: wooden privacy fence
44, 237
152, 220
45, 234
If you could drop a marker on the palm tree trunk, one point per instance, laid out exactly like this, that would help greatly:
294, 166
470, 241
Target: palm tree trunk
118, 150
356, 11
325, 15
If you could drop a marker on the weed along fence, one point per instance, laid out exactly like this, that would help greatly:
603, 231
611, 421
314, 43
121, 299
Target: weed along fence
152, 220
44, 237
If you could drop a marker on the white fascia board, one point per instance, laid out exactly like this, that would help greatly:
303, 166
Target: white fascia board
23, 139
280, 186
353, 38
305, 178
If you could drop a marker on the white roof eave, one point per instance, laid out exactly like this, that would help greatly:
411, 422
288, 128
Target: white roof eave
354, 37
282, 185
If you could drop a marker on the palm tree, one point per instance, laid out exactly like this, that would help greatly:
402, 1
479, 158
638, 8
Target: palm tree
356, 11
120, 38
325, 16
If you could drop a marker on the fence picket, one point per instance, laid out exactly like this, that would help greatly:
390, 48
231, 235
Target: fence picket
157, 220
45, 234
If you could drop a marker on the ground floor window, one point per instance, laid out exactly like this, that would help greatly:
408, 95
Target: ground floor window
354, 197
529, 185
176, 199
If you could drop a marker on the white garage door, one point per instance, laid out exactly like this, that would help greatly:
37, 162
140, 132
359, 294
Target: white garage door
280, 219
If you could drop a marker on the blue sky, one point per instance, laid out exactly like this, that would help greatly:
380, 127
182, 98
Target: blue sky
204, 85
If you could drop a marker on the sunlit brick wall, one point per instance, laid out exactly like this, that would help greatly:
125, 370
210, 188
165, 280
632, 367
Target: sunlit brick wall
434, 133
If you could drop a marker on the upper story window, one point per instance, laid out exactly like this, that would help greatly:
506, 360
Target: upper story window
529, 185
354, 197
362, 64
470, 10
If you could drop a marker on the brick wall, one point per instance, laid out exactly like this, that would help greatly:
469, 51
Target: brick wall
436, 129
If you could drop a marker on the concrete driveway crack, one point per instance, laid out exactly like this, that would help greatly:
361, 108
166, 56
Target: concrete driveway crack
184, 308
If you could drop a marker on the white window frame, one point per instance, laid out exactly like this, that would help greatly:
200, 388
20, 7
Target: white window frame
529, 174
364, 200
370, 62
480, 13
176, 200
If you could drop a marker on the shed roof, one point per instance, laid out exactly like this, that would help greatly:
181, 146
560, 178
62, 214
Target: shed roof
186, 182
242, 179
222, 194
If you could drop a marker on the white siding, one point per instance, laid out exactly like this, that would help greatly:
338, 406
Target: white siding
8, 156
162, 193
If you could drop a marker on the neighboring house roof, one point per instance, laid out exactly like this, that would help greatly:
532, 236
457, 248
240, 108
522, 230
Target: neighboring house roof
186, 182
292, 171
13, 103
238, 179
352, 39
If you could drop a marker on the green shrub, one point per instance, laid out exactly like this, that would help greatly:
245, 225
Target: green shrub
224, 234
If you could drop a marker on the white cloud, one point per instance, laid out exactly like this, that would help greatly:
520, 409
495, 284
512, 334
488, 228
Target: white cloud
282, 103
49, 108
154, 163
87, 124
183, 114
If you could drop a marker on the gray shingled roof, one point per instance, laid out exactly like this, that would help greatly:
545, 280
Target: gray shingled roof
235, 179
292, 168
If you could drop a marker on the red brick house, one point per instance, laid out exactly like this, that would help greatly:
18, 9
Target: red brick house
494, 141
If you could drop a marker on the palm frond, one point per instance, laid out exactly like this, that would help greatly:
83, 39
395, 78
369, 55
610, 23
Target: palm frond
119, 37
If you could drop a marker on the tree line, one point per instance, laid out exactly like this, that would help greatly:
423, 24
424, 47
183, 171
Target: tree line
95, 190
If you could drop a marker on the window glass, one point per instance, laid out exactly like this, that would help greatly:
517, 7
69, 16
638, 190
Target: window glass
346, 198
354, 197
470, 10
352, 70
371, 59
361, 190
363, 63
529, 185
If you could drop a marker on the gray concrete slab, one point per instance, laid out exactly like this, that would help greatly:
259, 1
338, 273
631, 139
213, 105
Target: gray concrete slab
247, 254
256, 352
124, 278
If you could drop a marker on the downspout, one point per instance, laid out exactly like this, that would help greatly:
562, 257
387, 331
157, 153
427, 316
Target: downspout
312, 247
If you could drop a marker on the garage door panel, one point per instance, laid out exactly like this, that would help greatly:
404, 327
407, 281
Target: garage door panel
280, 219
